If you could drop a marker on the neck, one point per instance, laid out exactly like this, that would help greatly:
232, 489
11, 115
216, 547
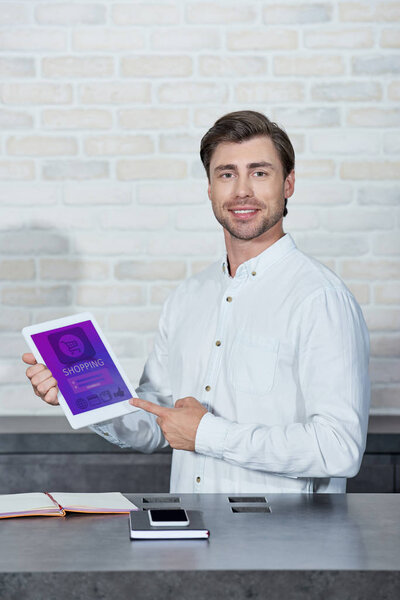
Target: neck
239, 251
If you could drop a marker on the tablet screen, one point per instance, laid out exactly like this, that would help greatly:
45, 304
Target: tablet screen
84, 370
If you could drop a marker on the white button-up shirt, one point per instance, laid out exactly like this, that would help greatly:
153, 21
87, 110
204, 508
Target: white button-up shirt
278, 354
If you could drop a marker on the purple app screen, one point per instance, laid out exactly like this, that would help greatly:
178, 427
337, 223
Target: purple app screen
85, 372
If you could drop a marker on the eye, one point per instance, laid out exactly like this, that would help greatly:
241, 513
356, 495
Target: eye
259, 173
226, 175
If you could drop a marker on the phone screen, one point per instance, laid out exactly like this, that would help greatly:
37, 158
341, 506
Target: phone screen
84, 370
168, 516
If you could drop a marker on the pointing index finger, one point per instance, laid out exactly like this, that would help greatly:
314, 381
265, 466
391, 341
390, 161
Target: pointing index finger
150, 407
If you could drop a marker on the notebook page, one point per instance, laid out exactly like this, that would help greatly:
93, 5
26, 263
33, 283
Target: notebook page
14, 503
105, 500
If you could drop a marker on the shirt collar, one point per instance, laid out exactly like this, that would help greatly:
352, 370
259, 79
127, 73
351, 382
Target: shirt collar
258, 264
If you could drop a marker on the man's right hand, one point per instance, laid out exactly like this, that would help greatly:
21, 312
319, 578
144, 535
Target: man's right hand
43, 383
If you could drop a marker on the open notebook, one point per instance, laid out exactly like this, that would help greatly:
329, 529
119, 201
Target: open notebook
57, 504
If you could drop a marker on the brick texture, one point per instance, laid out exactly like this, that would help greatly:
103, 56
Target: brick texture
103, 198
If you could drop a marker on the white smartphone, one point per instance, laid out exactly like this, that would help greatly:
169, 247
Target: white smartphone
173, 517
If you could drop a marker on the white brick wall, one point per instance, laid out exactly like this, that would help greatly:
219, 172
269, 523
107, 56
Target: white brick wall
103, 199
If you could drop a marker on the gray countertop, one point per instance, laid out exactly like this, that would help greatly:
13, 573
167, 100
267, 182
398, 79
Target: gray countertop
326, 531
356, 537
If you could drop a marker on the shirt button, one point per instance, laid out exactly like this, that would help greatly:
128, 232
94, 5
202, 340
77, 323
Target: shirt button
106, 434
198, 479
254, 273
217, 343
229, 299
208, 388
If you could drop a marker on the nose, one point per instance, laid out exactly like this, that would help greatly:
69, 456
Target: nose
243, 187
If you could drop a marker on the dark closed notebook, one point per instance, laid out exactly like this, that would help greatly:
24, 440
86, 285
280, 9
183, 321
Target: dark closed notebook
140, 528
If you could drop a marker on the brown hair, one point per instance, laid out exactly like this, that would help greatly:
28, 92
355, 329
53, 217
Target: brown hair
244, 125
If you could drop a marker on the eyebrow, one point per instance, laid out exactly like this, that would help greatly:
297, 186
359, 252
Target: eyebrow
254, 165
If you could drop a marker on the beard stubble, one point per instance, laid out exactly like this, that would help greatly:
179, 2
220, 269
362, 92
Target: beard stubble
250, 231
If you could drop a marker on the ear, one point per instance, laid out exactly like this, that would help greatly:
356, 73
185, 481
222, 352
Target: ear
289, 184
209, 190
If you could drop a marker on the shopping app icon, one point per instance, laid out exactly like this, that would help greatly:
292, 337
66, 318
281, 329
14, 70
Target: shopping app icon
81, 403
71, 345
105, 395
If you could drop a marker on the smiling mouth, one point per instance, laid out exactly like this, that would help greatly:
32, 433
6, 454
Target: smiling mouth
244, 213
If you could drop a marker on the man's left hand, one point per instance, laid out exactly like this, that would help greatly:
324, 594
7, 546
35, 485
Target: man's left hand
179, 424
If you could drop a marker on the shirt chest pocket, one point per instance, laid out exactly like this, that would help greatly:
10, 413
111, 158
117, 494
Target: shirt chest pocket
253, 364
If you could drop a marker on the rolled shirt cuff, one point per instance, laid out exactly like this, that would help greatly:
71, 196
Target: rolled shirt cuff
106, 430
211, 434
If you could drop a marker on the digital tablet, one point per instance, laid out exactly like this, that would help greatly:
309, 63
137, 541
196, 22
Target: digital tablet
92, 384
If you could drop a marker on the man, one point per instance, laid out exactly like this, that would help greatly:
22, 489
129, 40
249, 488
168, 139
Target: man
258, 376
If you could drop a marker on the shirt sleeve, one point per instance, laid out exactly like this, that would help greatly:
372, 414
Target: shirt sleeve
139, 429
333, 382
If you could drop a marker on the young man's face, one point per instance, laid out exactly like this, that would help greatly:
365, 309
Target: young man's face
247, 188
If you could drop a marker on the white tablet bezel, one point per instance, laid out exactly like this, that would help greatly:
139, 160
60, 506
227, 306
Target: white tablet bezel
95, 415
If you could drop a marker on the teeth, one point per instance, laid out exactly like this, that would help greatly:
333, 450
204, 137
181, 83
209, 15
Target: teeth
241, 212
